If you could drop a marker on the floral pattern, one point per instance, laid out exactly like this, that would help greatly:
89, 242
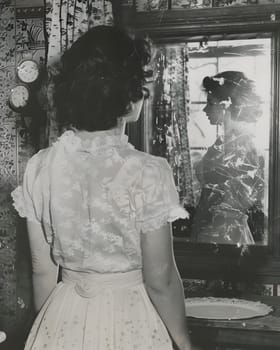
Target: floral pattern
170, 116
7, 60
177, 4
223, 3
8, 228
67, 20
7, 169
29, 34
7, 37
15, 149
151, 5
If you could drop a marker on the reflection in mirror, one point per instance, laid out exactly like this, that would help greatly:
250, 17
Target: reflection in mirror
209, 115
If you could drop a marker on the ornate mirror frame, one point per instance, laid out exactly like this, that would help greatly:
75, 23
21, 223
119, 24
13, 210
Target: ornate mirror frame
172, 26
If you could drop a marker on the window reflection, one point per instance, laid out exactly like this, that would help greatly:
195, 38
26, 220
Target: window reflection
218, 144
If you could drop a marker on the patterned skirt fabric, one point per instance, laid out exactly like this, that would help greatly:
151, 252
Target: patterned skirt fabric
99, 312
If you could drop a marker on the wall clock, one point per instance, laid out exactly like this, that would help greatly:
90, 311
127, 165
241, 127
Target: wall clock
28, 71
19, 97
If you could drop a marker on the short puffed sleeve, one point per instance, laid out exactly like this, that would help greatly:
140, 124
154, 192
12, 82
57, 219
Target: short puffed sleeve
25, 200
157, 199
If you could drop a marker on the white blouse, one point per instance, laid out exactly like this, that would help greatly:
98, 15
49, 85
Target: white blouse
95, 195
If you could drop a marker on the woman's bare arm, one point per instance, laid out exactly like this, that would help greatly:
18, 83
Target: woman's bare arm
44, 270
163, 283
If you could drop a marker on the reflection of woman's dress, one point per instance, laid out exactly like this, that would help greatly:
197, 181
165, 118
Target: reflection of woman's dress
230, 183
94, 194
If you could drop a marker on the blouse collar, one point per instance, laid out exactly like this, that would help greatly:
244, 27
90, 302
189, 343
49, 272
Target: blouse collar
74, 140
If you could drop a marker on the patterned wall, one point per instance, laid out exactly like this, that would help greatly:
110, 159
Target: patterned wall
8, 167
21, 36
153, 5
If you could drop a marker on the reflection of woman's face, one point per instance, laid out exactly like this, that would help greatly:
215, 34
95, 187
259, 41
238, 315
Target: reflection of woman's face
214, 110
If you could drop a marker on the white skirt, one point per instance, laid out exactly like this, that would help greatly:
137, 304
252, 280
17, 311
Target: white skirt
99, 312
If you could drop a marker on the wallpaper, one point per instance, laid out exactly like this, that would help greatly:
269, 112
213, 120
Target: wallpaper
7, 168
21, 36
153, 5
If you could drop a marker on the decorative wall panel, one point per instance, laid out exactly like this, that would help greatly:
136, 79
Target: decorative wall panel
21, 36
192, 4
30, 41
7, 76
7, 169
223, 3
7, 58
29, 44
151, 5
5, 3
7, 36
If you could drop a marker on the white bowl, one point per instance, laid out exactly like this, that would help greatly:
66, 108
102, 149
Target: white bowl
2, 336
225, 308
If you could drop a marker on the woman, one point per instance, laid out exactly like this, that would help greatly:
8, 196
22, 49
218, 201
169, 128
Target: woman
231, 171
101, 210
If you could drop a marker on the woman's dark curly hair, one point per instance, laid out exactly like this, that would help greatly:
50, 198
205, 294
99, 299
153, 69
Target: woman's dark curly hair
245, 103
100, 75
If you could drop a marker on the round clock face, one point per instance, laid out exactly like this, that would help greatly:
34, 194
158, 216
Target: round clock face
19, 97
28, 71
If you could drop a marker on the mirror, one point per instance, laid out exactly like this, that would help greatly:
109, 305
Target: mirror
209, 114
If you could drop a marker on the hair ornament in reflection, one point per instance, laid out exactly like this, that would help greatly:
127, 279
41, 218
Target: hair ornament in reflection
231, 173
237, 91
221, 81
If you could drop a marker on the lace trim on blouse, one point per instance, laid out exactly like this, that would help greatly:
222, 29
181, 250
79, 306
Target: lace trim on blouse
18, 201
91, 142
20, 205
162, 218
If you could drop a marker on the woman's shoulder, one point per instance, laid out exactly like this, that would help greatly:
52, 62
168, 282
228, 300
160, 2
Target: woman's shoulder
141, 167
147, 159
40, 155
39, 159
